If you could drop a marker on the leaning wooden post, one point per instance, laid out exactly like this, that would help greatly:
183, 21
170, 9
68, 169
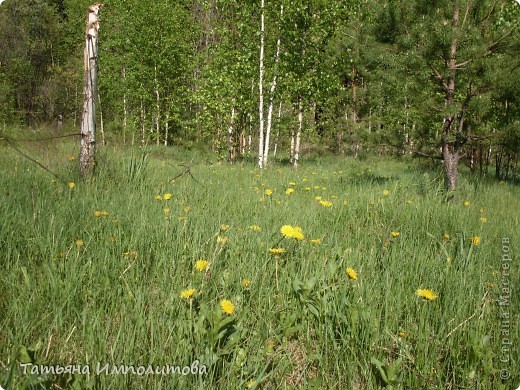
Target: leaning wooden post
88, 120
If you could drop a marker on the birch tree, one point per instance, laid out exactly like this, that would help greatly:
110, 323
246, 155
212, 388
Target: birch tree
88, 121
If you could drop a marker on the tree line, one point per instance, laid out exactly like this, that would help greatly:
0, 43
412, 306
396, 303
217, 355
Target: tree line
433, 78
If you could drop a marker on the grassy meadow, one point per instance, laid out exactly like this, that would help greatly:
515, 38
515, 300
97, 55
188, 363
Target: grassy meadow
110, 271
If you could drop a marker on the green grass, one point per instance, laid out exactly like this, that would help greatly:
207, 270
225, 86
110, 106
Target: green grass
301, 323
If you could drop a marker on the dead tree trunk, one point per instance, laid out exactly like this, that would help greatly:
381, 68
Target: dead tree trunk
88, 120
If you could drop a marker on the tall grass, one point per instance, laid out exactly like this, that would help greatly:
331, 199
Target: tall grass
80, 287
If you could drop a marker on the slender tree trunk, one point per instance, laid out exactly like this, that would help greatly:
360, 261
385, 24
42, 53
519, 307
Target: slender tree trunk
143, 124
230, 141
166, 129
261, 91
157, 108
101, 122
298, 134
88, 120
271, 98
125, 111
450, 150
277, 131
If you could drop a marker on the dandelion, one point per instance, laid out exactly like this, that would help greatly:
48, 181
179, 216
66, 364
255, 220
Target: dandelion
268, 192
227, 306
483, 219
395, 234
408, 201
292, 232
167, 196
325, 203
276, 251
246, 282
316, 241
292, 183
403, 334
187, 209
188, 293
158, 197
72, 185
386, 192
202, 265
446, 237
222, 240
79, 242
101, 214
429, 295
131, 254
467, 203
251, 383
307, 188
475, 240
72, 158
345, 203
224, 228
289, 191
255, 228
351, 273
318, 198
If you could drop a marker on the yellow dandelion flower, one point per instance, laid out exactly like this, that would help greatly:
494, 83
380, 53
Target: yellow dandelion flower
246, 282
318, 198
351, 273
325, 203
188, 293
292, 232
251, 383
408, 201
307, 188
395, 234
167, 196
224, 228
334, 197
79, 242
403, 334
446, 237
467, 203
316, 241
475, 240
202, 265
316, 187
345, 203
227, 306
72, 158
268, 192
97, 213
187, 209
222, 240
429, 295
255, 228
292, 183
483, 219
289, 191
158, 197
72, 185
386, 192
276, 251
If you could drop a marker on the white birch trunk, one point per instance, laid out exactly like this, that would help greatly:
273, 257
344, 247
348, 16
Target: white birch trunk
101, 123
88, 120
157, 107
298, 134
125, 111
277, 131
261, 96
271, 98
231, 146
166, 129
